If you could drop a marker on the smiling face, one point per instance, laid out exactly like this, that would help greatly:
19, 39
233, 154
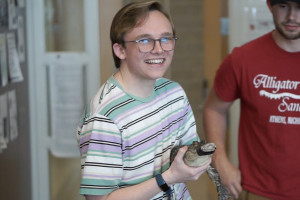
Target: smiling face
146, 66
286, 17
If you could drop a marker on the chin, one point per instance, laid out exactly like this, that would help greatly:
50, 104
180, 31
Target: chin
157, 76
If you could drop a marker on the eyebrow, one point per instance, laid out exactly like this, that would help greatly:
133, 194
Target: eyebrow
166, 34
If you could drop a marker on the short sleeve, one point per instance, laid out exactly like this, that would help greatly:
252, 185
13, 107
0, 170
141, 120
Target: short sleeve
226, 80
101, 156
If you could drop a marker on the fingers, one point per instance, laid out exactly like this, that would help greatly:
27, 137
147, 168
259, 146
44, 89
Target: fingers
233, 191
180, 153
204, 167
196, 172
235, 188
184, 172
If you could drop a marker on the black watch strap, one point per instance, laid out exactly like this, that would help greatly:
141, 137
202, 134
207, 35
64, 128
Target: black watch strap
162, 184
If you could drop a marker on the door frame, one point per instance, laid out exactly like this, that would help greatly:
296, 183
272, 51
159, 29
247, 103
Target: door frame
37, 74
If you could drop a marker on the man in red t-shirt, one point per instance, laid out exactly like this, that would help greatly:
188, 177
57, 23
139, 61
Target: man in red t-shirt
265, 75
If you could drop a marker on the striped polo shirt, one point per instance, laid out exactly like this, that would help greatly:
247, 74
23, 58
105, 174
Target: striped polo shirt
125, 140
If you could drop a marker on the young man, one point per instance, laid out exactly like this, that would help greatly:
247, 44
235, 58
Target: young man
265, 75
137, 117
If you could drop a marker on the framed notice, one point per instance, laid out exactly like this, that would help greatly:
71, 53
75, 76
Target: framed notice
67, 101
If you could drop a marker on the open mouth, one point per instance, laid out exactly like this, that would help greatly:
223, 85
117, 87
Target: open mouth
155, 61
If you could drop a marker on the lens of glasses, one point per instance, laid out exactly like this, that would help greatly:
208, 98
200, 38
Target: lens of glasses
147, 45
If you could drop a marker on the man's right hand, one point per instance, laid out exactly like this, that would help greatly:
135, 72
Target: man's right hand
230, 177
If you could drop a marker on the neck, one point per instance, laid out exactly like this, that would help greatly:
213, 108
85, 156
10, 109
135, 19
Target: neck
134, 85
286, 44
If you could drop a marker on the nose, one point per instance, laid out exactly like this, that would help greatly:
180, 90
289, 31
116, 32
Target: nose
293, 13
157, 47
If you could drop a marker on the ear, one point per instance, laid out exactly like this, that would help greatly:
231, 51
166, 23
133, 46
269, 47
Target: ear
119, 51
269, 4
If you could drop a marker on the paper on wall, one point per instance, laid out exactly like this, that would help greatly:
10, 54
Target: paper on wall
3, 122
21, 43
15, 73
3, 60
67, 100
12, 15
13, 117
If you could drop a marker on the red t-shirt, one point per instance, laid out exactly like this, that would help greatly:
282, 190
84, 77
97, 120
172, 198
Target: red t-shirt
267, 80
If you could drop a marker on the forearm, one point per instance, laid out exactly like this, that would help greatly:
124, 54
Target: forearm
230, 176
215, 131
215, 124
177, 173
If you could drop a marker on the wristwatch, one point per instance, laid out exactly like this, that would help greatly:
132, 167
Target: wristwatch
162, 184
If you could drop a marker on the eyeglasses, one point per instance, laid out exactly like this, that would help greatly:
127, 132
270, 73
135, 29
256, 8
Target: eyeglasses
146, 45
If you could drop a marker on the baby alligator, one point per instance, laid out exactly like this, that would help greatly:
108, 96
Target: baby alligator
198, 154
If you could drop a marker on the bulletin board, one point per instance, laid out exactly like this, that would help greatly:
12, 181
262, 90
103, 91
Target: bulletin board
15, 159
12, 68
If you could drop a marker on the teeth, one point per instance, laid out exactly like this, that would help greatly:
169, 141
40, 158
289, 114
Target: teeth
155, 61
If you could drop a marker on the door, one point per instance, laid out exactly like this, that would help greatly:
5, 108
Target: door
64, 73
